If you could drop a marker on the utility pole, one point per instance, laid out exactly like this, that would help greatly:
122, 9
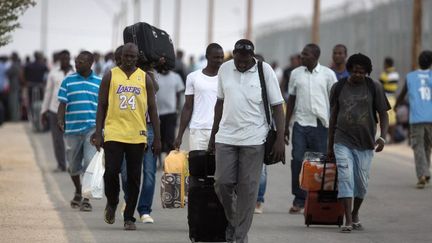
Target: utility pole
137, 11
177, 18
210, 21
115, 30
417, 32
316, 22
248, 34
156, 13
44, 27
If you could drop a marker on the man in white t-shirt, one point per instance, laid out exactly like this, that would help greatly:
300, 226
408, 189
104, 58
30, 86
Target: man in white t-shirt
168, 101
201, 95
238, 135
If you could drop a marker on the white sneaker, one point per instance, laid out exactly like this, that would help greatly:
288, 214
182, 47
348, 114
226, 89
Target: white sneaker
123, 209
259, 208
147, 219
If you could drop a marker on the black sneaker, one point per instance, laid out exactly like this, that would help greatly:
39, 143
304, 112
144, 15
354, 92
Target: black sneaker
427, 179
85, 205
129, 225
421, 182
230, 233
109, 214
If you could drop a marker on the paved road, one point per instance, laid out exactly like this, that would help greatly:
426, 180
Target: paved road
394, 210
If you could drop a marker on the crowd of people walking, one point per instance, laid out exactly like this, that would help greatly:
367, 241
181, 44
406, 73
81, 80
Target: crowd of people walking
131, 110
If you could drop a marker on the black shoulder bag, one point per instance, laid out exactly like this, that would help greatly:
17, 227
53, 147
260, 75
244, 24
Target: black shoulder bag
271, 136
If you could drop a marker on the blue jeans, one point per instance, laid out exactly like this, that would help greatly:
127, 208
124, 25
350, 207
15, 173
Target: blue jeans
304, 139
145, 200
262, 184
353, 170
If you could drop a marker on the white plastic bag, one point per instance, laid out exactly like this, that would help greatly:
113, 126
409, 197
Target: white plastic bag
93, 183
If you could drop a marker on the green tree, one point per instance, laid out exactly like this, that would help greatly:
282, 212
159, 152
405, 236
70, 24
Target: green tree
10, 10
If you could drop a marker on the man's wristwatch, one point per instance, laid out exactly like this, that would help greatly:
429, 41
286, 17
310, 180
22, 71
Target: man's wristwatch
382, 139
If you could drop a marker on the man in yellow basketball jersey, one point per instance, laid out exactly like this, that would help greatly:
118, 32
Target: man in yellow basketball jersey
125, 95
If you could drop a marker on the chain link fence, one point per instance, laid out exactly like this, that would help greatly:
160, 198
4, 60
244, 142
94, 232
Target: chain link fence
375, 28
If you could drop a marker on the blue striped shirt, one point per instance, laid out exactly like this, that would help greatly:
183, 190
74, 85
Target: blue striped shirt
81, 97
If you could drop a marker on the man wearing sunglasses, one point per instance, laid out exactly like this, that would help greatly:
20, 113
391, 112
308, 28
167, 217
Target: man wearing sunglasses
238, 135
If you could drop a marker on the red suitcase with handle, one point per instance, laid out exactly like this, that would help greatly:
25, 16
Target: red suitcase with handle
323, 207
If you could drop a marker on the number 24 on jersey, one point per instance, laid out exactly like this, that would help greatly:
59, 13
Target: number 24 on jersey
125, 102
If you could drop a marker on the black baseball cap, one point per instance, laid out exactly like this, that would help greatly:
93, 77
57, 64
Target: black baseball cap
244, 46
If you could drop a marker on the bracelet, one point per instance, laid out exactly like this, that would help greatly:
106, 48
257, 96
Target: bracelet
382, 139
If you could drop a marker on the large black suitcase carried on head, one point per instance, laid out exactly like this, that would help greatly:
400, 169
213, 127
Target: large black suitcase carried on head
206, 216
153, 43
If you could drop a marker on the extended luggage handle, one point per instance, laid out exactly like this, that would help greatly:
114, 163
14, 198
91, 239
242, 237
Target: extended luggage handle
209, 155
323, 195
326, 160
206, 163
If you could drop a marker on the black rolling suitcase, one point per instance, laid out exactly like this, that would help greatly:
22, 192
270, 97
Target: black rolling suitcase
153, 43
206, 216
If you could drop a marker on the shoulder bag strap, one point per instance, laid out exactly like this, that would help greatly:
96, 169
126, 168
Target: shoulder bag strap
264, 91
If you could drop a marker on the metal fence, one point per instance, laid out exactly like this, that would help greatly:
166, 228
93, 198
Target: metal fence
377, 29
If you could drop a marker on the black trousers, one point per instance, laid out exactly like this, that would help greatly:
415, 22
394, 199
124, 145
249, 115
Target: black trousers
114, 154
168, 124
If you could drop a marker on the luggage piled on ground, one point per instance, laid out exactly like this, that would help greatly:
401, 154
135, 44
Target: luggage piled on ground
175, 181
319, 178
153, 44
206, 216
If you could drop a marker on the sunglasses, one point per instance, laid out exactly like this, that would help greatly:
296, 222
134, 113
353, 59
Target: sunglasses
246, 47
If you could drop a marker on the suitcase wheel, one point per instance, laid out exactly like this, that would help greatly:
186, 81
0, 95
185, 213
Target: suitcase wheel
340, 221
308, 220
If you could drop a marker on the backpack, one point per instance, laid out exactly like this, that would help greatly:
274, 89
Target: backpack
340, 84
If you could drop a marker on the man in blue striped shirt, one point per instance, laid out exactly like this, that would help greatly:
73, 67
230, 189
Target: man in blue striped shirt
78, 96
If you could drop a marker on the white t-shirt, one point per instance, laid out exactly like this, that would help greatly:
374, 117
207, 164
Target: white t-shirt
204, 90
312, 91
243, 120
169, 86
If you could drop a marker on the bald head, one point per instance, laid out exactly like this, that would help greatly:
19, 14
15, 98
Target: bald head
130, 46
129, 56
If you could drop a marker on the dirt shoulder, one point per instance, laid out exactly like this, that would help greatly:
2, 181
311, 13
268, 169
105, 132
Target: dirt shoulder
26, 213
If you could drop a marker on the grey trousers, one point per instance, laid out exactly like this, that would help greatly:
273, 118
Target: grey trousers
421, 143
237, 177
58, 142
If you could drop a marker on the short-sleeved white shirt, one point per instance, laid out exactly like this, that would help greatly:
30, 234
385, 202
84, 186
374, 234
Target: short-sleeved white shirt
204, 90
169, 85
312, 91
243, 119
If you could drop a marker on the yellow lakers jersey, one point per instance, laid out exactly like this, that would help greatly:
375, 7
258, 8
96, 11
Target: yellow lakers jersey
127, 106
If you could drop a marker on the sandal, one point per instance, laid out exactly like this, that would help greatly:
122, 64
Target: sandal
357, 226
86, 206
346, 229
76, 201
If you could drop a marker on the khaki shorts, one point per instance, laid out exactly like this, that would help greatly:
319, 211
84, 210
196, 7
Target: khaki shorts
199, 139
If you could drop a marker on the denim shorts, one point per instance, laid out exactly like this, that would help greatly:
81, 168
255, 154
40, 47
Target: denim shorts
79, 151
353, 170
